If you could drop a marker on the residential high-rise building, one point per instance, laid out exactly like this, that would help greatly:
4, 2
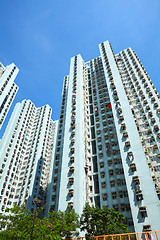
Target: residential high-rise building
26, 152
108, 140
8, 89
104, 150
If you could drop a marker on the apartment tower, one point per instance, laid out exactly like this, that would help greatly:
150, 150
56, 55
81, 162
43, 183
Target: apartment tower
8, 89
104, 150
108, 140
26, 153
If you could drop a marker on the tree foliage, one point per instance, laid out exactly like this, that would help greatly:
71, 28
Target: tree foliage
67, 222
19, 224
95, 221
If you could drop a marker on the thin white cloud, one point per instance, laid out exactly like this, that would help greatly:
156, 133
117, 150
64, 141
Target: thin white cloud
42, 41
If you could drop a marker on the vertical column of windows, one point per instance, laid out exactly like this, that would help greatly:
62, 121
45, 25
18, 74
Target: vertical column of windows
7, 79
117, 193
72, 138
16, 164
109, 138
88, 167
148, 131
94, 183
7, 102
59, 149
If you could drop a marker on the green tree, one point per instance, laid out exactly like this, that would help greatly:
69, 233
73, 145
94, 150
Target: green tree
95, 221
20, 224
67, 222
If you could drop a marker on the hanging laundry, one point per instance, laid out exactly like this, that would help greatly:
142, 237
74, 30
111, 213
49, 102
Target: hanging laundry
109, 105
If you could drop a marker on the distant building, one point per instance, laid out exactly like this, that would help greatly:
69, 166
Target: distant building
8, 89
26, 154
108, 140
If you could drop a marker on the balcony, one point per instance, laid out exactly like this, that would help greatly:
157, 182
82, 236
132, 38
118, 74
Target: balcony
156, 128
71, 169
71, 180
155, 147
72, 141
125, 134
70, 192
116, 98
135, 179
113, 87
133, 167
142, 96
121, 117
73, 125
119, 110
150, 114
158, 111
139, 195
153, 120
70, 204
111, 172
143, 211
155, 105
147, 107
72, 150
127, 144
147, 89
72, 159
123, 126
147, 228
73, 108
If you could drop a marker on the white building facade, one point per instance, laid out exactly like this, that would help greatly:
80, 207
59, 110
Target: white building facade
103, 150
26, 152
107, 149
8, 89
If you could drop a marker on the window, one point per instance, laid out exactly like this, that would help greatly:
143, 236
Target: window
104, 196
103, 184
102, 174
101, 164
53, 198
114, 195
112, 183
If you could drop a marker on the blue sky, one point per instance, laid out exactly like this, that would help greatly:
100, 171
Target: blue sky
40, 37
